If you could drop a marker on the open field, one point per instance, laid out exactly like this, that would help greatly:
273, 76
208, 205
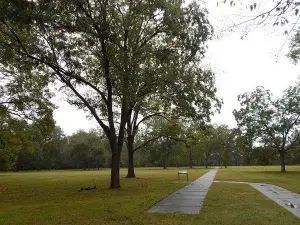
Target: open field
263, 174
52, 197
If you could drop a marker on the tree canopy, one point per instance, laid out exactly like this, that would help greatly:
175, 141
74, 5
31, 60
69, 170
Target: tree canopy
273, 122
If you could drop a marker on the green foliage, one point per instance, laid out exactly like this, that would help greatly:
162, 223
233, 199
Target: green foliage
273, 123
82, 150
88, 150
166, 143
12, 138
243, 149
15, 136
295, 47
216, 144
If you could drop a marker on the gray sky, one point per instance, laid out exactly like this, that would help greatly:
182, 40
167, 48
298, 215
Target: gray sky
240, 66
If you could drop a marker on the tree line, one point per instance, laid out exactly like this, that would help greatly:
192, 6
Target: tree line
162, 143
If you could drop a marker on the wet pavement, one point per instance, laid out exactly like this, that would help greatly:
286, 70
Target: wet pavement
187, 200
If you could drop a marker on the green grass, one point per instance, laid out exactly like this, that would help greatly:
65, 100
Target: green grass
51, 197
235, 204
263, 174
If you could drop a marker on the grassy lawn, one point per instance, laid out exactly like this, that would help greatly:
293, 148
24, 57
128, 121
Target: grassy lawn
240, 204
52, 198
264, 174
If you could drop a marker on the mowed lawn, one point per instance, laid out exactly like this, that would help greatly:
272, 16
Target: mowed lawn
263, 174
52, 197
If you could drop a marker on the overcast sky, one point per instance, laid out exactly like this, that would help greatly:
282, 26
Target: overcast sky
239, 65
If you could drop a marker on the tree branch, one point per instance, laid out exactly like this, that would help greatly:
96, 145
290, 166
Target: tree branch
145, 143
148, 117
92, 110
256, 17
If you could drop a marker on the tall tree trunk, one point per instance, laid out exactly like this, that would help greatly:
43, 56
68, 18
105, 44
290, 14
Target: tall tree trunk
115, 162
191, 159
130, 172
165, 163
115, 170
116, 144
282, 161
206, 162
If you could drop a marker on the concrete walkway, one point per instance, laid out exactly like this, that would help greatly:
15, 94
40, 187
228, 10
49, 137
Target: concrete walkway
285, 198
187, 200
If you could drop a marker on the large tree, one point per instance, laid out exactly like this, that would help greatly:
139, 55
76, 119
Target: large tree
274, 122
97, 51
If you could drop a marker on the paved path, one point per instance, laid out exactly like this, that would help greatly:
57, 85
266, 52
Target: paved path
187, 200
285, 198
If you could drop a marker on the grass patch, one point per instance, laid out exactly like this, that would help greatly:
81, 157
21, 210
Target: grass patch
236, 204
263, 174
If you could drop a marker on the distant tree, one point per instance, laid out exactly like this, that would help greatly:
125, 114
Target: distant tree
52, 147
205, 145
275, 123
263, 156
12, 139
87, 149
243, 149
197, 138
223, 138
166, 140
295, 154
46, 149
216, 143
17, 138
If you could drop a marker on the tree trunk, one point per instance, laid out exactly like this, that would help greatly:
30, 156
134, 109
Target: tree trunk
130, 173
115, 170
282, 161
116, 144
206, 163
191, 159
165, 163
115, 162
